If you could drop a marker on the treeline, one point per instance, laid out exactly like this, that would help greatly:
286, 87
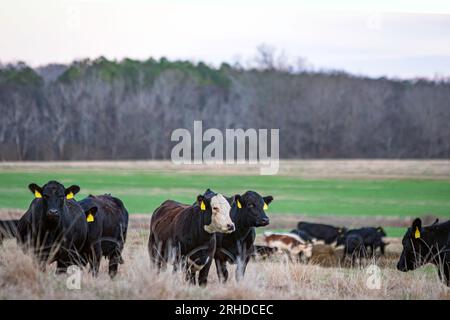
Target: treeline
101, 109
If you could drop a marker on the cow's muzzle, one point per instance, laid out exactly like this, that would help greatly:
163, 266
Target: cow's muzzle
263, 222
52, 213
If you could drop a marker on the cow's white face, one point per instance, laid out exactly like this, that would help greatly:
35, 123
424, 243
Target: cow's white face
220, 216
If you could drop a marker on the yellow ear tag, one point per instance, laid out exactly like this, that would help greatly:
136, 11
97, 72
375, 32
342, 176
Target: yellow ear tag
239, 205
69, 196
417, 233
37, 194
202, 206
265, 206
90, 218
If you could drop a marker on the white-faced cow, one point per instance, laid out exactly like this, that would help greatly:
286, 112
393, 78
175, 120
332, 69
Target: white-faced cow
185, 233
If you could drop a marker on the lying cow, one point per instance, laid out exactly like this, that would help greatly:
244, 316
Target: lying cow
247, 213
372, 238
327, 233
430, 244
263, 252
186, 233
8, 229
289, 243
107, 220
54, 227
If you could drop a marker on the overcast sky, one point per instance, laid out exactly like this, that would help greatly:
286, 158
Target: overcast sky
395, 38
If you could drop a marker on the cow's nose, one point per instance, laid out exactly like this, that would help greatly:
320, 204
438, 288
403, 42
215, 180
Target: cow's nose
53, 212
230, 227
265, 221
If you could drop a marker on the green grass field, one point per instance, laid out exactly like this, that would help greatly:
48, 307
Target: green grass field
143, 191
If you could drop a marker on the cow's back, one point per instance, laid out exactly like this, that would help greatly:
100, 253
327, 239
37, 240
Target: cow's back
115, 217
111, 221
165, 219
319, 231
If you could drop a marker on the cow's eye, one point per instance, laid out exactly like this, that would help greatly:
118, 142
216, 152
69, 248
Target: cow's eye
215, 208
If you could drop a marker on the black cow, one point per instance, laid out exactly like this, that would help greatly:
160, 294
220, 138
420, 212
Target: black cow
247, 212
327, 233
354, 247
430, 244
305, 236
54, 227
8, 229
372, 238
107, 220
186, 233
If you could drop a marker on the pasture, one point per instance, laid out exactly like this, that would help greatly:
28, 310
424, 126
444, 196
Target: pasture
350, 193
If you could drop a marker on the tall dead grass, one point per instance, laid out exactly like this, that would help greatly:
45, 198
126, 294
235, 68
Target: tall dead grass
20, 278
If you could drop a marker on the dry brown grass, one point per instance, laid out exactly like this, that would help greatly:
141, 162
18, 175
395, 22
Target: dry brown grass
342, 169
272, 279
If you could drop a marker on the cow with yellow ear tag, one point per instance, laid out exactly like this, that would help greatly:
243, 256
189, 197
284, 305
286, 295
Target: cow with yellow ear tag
427, 244
248, 212
188, 233
107, 220
55, 221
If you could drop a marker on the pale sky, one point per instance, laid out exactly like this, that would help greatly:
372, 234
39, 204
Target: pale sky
395, 38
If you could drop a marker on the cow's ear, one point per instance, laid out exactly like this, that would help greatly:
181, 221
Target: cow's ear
267, 201
90, 214
238, 200
72, 191
201, 202
35, 189
230, 199
417, 228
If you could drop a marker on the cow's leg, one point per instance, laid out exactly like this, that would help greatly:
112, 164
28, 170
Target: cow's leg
158, 256
155, 250
372, 250
222, 272
114, 260
61, 267
190, 275
444, 272
240, 272
447, 274
95, 259
382, 248
203, 274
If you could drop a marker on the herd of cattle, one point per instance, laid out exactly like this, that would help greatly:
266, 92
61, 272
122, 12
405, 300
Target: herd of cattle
215, 228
